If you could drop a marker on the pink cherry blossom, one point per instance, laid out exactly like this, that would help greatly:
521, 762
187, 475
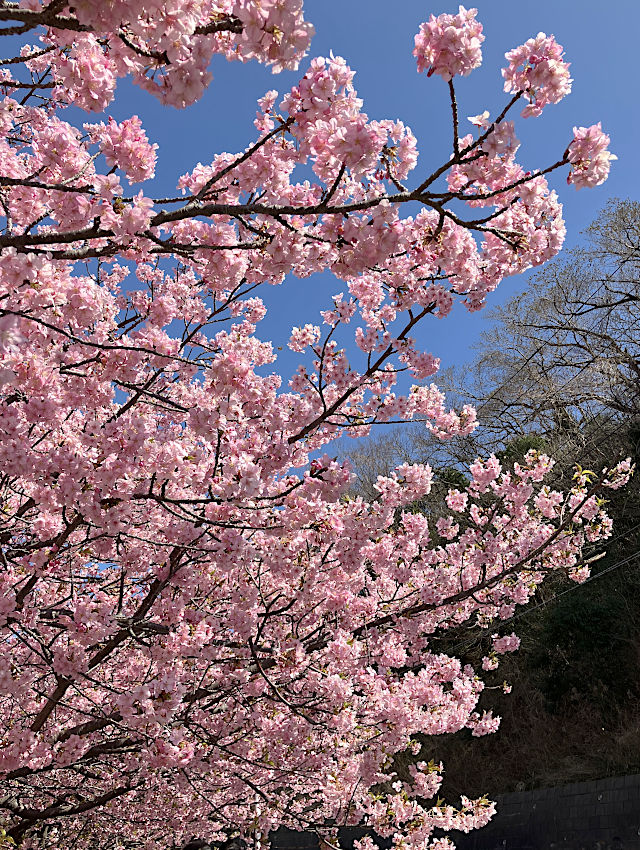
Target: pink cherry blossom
589, 155
537, 68
126, 146
449, 44
200, 624
509, 643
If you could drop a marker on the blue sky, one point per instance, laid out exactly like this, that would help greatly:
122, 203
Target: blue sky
376, 38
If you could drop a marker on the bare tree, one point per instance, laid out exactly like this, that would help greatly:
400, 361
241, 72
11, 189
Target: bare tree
566, 353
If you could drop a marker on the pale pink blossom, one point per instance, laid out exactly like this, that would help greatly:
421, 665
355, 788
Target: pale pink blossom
537, 68
193, 602
508, 643
456, 500
126, 146
589, 156
449, 45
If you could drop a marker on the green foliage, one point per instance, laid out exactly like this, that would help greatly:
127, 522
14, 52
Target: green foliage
451, 476
516, 448
586, 647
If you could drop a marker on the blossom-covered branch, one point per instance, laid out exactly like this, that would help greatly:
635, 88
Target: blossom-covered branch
201, 632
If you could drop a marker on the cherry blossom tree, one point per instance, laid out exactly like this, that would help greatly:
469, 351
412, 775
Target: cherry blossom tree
201, 634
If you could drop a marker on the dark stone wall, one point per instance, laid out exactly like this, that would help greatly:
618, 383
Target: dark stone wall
600, 815
596, 815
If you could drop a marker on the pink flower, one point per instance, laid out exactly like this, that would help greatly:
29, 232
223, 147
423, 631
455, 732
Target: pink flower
619, 475
127, 147
485, 472
128, 220
509, 643
449, 44
547, 501
483, 725
456, 500
10, 335
538, 69
421, 364
194, 603
446, 528
589, 155
303, 337
85, 74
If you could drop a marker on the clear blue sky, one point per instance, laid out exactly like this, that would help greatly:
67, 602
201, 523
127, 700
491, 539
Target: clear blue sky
376, 37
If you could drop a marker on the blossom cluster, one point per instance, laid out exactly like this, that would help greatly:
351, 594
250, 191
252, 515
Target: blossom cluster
166, 47
589, 156
199, 624
449, 45
538, 69
125, 146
